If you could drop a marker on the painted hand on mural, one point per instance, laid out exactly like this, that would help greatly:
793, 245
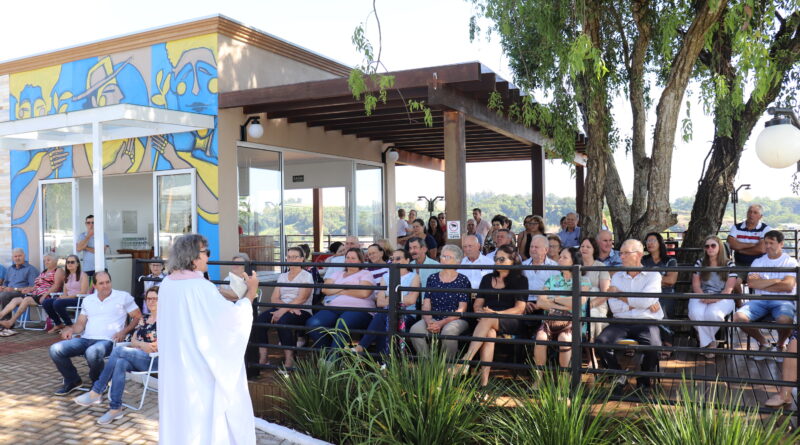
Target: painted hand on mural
123, 160
44, 163
167, 150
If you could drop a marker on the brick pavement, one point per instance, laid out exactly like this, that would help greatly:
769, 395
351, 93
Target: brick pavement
30, 414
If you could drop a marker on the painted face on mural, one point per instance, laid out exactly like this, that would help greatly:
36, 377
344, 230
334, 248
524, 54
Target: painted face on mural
31, 103
196, 81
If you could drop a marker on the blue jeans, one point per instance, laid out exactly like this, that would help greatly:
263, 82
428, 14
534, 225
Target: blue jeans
379, 323
340, 320
122, 360
95, 351
56, 309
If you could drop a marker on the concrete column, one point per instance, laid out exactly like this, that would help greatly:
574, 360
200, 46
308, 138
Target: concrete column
455, 171
390, 200
537, 180
317, 218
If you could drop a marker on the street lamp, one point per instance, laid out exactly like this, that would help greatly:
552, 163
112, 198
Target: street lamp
431, 204
735, 199
778, 145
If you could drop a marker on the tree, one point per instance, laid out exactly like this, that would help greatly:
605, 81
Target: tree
758, 44
583, 54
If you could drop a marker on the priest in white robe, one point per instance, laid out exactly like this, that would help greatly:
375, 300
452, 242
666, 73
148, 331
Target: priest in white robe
202, 386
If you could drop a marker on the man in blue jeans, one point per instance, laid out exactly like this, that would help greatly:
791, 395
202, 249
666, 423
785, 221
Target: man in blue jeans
101, 324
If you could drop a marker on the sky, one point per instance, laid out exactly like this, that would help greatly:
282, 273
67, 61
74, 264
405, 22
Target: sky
415, 33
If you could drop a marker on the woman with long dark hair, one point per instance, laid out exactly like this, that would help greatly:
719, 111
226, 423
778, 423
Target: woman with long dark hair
437, 231
707, 282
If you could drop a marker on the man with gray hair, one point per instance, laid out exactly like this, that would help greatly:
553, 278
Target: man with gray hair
501, 238
571, 234
746, 238
474, 257
605, 244
537, 278
19, 275
631, 304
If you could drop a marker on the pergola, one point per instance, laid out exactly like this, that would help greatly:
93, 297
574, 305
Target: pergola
464, 128
95, 126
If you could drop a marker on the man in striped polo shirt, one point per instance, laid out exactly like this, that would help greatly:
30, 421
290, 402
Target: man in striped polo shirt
746, 238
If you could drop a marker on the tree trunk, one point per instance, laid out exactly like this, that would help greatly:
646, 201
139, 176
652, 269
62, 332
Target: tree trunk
617, 203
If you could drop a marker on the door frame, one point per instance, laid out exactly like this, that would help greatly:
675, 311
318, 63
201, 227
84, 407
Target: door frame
193, 187
40, 222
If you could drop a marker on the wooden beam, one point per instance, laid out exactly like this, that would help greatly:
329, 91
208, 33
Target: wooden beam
474, 111
537, 179
579, 189
455, 175
333, 102
418, 160
324, 89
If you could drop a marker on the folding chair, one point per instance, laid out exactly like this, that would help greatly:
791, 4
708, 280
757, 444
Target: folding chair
146, 378
25, 318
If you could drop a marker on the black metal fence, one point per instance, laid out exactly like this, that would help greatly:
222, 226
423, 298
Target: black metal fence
578, 344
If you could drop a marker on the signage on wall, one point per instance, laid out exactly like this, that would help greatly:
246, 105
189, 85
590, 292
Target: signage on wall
298, 178
453, 229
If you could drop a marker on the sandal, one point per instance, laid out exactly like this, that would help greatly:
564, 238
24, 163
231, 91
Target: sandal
7, 333
777, 401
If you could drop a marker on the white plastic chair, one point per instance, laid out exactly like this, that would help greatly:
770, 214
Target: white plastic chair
146, 378
25, 318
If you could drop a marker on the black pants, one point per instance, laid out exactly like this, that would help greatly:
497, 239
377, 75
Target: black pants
643, 334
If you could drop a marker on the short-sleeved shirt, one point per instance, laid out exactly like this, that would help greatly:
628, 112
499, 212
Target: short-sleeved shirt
663, 262
445, 301
482, 227
21, 276
402, 227
748, 236
782, 261
288, 294
570, 239
557, 282
714, 284
107, 317
146, 332
475, 275
87, 258
537, 278
501, 302
596, 276
354, 280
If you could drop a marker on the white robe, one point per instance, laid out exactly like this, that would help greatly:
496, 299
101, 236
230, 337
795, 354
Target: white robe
202, 386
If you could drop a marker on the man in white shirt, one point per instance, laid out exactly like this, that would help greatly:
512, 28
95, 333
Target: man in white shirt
537, 278
403, 229
640, 307
770, 283
482, 226
101, 323
473, 257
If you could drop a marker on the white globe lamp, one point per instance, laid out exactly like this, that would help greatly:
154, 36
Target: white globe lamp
778, 145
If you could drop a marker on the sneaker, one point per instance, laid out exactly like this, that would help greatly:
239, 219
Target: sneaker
68, 388
86, 399
763, 348
618, 386
301, 341
108, 417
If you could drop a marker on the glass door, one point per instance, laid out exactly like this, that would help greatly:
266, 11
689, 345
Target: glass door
174, 207
59, 201
261, 210
368, 209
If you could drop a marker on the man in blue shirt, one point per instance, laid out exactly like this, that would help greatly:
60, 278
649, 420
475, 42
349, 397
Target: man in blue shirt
571, 234
607, 254
19, 276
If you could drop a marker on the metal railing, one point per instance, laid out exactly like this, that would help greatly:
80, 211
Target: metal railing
791, 245
577, 344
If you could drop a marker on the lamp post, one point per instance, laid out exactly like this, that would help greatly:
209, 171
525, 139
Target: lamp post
735, 199
423, 202
778, 144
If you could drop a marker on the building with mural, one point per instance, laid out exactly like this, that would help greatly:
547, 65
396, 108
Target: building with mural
214, 180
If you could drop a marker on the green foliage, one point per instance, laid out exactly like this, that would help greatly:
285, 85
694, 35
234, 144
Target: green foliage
549, 412
709, 419
348, 398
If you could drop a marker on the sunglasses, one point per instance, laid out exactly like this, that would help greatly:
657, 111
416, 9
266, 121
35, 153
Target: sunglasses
72, 262
500, 259
710, 246
207, 252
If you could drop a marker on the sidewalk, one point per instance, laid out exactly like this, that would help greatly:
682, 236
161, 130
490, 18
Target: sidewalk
31, 414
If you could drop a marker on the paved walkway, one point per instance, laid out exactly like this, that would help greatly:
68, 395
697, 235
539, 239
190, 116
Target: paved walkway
30, 414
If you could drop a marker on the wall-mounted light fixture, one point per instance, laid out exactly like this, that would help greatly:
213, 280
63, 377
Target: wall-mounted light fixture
390, 155
255, 129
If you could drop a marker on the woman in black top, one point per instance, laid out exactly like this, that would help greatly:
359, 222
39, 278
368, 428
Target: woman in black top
496, 303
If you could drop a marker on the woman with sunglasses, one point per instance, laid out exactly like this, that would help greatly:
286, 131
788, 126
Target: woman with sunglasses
497, 303
135, 357
285, 315
560, 330
76, 283
380, 322
711, 309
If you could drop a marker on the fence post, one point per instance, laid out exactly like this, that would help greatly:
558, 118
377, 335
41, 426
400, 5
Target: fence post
394, 299
797, 327
577, 337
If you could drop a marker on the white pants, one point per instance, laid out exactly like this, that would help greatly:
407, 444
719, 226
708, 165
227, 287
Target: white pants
598, 312
455, 327
699, 311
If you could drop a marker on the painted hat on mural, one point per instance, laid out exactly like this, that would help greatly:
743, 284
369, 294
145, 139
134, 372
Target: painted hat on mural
100, 75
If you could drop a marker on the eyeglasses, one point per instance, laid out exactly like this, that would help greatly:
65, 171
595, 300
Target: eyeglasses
397, 258
151, 299
710, 246
72, 262
89, 222
207, 252
628, 252
500, 259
